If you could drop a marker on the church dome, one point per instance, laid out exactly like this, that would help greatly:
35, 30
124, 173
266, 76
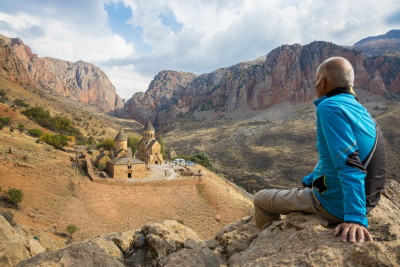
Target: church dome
120, 137
148, 127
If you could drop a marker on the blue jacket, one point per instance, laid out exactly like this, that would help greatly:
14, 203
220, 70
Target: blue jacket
346, 135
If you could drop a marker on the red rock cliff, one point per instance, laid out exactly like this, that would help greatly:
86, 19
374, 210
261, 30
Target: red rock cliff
76, 80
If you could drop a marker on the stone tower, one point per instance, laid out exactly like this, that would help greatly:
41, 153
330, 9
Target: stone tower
148, 132
120, 141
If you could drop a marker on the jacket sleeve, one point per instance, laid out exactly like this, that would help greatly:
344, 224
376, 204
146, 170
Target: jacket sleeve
307, 180
343, 151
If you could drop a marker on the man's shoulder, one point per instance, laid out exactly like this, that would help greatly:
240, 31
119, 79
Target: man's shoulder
337, 103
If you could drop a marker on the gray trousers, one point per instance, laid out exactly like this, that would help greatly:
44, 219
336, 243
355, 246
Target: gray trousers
270, 203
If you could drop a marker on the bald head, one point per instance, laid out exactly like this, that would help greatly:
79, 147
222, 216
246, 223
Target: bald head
337, 71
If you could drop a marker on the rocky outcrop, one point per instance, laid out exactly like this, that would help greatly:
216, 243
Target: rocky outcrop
15, 247
287, 73
76, 80
381, 44
296, 240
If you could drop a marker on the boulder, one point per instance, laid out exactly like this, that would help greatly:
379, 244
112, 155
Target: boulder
78, 254
15, 247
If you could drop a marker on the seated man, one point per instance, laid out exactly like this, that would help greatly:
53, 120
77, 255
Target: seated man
346, 183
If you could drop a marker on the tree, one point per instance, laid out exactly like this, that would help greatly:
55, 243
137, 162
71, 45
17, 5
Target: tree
15, 195
21, 128
133, 143
106, 144
90, 140
35, 132
203, 159
71, 229
161, 141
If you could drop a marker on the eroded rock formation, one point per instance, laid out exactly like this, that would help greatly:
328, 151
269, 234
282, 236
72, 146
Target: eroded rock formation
76, 80
287, 73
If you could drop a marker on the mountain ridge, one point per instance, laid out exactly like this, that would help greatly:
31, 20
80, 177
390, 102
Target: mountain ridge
79, 80
287, 73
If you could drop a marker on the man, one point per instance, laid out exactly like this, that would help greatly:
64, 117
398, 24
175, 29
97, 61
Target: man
346, 183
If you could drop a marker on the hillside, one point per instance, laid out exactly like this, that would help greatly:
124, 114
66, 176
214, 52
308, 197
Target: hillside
79, 81
295, 240
55, 195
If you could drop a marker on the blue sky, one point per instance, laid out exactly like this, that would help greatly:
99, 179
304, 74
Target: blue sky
132, 40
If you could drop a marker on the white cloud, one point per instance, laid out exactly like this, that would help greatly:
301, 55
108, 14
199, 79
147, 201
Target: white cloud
212, 33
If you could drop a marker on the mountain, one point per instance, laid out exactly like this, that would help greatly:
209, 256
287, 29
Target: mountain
79, 81
286, 74
381, 44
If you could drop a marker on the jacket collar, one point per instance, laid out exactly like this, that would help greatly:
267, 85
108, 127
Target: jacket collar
337, 91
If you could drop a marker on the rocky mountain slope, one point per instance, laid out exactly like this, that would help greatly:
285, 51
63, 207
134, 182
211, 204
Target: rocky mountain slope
381, 44
296, 240
75, 80
287, 73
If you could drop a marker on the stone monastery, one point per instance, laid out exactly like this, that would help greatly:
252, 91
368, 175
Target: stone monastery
122, 164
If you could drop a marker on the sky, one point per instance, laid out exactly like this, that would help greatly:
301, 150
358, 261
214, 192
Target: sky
133, 40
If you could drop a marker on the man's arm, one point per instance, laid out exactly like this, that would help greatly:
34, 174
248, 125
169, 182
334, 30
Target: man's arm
307, 180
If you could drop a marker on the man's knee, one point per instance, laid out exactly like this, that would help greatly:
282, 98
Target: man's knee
263, 196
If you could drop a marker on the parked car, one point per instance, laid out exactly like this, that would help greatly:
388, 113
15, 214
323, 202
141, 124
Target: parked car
179, 160
190, 163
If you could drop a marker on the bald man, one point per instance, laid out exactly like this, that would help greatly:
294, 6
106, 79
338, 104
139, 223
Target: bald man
346, 183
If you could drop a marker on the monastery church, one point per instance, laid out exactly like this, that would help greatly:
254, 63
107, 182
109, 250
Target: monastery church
120, 162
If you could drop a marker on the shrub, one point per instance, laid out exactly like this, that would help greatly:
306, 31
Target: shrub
106, 144
21, 128
102, 166
133, 143
57, 141
203, 159
35, 132
71, 229
5, 120
161, 141
15, 195
20, 103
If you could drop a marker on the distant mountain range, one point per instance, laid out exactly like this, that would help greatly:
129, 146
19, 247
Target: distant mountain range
381, 44
76, 80
286, 73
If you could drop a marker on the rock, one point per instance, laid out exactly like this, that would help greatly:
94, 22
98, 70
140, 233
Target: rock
191, 257
167, 237
78, 254
108, 246
308, 240
76, 80
285, 74
15, 247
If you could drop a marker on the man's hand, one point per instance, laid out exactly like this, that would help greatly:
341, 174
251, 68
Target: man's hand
351, 231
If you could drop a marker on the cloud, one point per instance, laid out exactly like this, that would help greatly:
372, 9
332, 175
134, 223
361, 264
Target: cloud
196, 36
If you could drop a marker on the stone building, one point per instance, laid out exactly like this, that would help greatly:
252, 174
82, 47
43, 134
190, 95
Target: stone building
148, 149
127, 167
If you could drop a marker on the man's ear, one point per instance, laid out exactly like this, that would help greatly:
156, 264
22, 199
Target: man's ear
323, 85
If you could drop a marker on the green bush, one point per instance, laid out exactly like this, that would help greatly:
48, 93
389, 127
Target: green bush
20, 103
21, 127
102, 166
58, 124
57, 141
35, 132
15, 195
133, 143
161, 141
106, 144
71, 229
5, 120
203, 159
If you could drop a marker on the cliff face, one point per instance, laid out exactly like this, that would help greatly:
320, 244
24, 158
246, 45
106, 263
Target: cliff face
287, 73
79, 80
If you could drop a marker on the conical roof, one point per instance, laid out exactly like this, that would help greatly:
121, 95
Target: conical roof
148, 127
120, 137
